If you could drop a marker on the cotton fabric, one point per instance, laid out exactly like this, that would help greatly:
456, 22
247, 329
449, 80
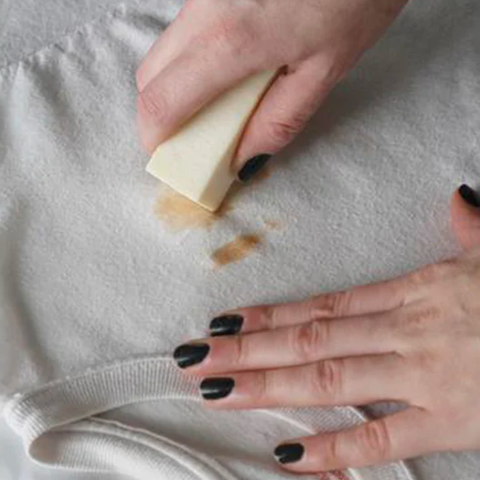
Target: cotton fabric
95, 291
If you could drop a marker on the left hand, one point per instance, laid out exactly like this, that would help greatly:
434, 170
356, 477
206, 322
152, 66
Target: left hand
415, 339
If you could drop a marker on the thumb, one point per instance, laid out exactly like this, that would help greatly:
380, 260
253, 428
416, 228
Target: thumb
465, 216
283, 113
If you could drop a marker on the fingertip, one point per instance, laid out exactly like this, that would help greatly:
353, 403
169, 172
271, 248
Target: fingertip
190, 355
253, 166
465, 216
289, 453
226, 325
214, 389
469, 196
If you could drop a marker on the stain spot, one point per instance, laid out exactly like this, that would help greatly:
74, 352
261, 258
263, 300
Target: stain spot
236, 250
179, 213
261, 176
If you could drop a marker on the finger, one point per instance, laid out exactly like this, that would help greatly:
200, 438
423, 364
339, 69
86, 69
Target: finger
177, 93
284, 111
193, 25
362, 300
404, 435
350, 381
184, 87
163, 51
305, 343
465, 216
178, 35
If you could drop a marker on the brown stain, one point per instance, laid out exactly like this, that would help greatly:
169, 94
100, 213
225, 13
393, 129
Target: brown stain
236, 250
179, 213
261, 176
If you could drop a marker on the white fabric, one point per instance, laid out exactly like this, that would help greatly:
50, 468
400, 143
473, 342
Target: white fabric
95, 291
29, 25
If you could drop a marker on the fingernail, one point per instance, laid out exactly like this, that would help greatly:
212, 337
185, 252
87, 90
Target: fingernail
289, 453
469, 195
216, 388
253, 166
189, 355
226, 325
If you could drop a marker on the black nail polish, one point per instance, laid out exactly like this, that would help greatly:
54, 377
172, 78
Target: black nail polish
226, 325
216, 388
253, 166
289, 453
469, 195
190, 354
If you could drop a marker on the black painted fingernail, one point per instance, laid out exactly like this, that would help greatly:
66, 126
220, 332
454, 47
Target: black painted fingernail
226, 325
289, 453
216, 388
469, 195
253, 166
190, 354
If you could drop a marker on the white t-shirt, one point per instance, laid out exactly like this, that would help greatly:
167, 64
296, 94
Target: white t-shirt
96, 290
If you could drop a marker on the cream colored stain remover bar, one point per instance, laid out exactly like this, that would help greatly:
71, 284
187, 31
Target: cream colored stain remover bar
196, 160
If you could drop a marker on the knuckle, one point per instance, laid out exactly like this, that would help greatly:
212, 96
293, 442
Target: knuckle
308, 339
327, 379
240, 42
281, 132
241, 350
374, 440
154, 104
224, 32
331, 451
331, 305
418, 321
262, 386
270, 317
232, 34
425, 361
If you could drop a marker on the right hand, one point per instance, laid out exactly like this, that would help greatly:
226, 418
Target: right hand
414, 340
213, 44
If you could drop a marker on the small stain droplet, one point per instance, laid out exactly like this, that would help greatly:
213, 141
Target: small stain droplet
236, 250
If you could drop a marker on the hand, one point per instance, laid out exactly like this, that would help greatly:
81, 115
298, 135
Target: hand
415, 340
213, 44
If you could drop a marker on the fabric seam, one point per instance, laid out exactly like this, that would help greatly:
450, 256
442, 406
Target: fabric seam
116, 12
37, 429
126, 432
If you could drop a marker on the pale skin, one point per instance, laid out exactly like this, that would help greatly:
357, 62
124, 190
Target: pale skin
413, 339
